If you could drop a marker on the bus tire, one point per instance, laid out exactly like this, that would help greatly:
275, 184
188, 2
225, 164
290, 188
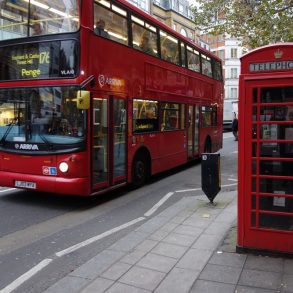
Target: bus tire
140, 171
208, 146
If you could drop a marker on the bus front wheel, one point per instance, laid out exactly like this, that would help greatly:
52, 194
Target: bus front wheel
139, 171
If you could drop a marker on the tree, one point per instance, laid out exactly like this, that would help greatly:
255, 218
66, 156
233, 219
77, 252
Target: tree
254, 22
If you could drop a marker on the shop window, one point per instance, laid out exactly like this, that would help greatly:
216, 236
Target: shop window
145, 116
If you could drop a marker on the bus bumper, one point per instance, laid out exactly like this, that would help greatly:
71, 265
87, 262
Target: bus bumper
69, 186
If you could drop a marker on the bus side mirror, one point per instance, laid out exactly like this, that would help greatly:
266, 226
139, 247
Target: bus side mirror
83, 100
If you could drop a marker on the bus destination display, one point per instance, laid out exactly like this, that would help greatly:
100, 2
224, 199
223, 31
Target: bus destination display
39, 60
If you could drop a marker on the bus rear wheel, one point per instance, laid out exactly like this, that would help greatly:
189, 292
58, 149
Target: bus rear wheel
140, 171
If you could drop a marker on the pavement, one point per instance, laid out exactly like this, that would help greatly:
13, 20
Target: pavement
188, 247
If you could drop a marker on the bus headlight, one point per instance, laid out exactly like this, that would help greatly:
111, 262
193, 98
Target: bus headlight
63, 167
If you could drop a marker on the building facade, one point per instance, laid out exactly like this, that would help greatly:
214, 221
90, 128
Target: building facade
174, 13
145, 5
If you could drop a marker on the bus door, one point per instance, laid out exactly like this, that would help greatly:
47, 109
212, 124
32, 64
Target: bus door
193, 131
109, 141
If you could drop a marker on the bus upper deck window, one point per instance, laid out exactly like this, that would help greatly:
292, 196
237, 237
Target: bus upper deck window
111, 22
31, 18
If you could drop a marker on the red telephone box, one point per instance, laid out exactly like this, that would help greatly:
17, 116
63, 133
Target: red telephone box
265, 162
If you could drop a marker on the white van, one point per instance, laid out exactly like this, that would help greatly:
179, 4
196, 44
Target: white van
230, 107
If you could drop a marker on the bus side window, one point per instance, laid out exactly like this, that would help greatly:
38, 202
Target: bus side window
170, 116
169, 48
144, 36
193, 61
111, 22
145, 116
183, 55
206, 65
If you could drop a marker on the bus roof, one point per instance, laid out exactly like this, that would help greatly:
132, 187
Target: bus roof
166, 28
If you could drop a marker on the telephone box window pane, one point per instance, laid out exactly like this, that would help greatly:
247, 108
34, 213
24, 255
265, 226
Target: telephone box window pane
280, 186
276, 95
276, 113
253, 202
254, 149
276, 222
255, 95
253, 219
270, 132
276, 204
254, 165
253, 185
271, 168
276, 168
270, 149
254, 114
254, 131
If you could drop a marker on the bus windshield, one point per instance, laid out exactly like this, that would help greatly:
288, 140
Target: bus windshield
45, 116
23, 18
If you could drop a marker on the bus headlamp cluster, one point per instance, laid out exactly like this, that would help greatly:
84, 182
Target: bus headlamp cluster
63, 167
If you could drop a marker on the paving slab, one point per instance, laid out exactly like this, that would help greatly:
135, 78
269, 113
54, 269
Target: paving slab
142, 278
171, 250
203, 286
99, 285
206, 241
116, 271
264, 263
123, 288
188, 230
68, 284
288, 266
287, 283
180, 239
228, 259
219, 273
260, 279
157, 262
178, 281
243, 289
95, 266
194, 259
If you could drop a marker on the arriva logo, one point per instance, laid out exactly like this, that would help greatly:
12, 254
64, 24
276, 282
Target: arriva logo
27, 147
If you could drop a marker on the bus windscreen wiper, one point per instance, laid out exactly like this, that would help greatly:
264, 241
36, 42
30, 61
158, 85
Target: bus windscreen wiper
3, 139
47, 143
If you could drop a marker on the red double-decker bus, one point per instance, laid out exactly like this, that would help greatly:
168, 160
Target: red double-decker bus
97, 94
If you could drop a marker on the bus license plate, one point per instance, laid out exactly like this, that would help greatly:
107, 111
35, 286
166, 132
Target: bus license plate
25, 184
